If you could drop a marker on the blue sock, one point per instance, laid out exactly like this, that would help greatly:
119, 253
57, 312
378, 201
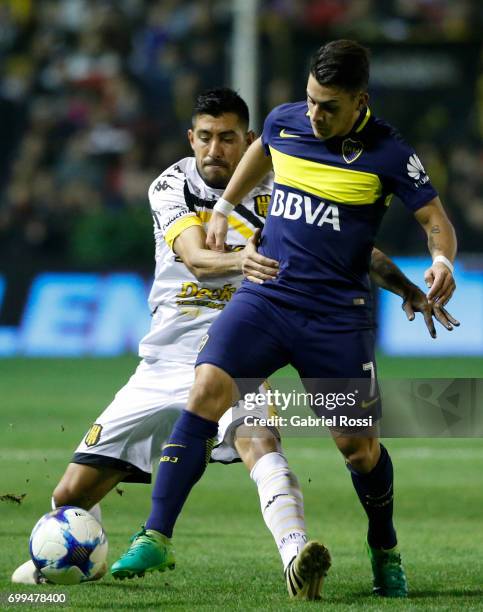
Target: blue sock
375, 491
184, 459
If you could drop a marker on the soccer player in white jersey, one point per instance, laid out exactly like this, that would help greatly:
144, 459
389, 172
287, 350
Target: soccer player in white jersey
191, 286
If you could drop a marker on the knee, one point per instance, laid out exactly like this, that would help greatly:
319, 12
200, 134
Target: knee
212, 392
252, 447
362, 457
65, 494
70, 492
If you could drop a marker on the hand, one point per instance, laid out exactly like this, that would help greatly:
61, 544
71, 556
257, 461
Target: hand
416, 301
256, 267
441, 284
216, 232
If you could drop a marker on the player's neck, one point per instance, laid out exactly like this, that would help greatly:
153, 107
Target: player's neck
357, 117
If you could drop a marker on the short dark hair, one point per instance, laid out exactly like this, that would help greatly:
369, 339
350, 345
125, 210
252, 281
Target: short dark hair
341, 63
221, 100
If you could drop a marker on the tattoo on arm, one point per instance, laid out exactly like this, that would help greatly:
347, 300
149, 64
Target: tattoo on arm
433, 244
387, 275
382, 268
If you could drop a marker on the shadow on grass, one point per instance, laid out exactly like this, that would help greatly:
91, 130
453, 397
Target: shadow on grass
450, 593
353, 597
135, 586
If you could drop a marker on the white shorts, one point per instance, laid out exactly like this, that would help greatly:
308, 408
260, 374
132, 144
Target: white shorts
131, 431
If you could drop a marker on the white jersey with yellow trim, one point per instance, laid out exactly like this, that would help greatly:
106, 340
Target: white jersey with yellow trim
183, 307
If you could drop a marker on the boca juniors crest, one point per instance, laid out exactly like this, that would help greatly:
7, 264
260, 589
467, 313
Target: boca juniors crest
351, 150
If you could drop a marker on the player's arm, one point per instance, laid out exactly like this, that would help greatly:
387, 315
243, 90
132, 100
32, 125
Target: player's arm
442, 246
252, 168
203, 263
387, 275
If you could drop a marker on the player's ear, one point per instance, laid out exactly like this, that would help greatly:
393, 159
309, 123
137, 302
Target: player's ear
251, 137
191, 138
363, 100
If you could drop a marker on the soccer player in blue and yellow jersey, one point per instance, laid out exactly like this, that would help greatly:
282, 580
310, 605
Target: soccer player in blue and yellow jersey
336, 168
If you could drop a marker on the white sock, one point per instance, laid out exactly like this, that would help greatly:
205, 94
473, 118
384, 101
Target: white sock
282, 504
95, 510
96, 513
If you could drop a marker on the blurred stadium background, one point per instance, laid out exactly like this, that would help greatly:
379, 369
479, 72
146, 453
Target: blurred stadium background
95, 100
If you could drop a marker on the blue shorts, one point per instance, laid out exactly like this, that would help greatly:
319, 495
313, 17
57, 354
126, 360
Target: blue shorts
254, 337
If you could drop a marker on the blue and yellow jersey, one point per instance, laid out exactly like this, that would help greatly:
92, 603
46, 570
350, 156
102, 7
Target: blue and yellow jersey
328, 201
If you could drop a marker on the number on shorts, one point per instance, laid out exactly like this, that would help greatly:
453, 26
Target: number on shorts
369, 367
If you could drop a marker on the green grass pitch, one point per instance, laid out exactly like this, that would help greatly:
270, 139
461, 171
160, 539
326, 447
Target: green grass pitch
226, 559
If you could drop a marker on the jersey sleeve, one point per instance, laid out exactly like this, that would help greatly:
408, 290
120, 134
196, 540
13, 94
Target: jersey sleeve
170, 211
407, 178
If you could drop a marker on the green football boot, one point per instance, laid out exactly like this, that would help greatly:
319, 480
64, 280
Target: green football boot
389, 577
150, 551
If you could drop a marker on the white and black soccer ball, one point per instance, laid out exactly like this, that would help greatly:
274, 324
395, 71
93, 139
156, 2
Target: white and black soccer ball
68, 546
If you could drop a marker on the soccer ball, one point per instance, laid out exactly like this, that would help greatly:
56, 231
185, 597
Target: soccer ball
68, 546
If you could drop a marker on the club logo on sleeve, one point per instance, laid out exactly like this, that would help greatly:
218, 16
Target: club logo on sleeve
351, 150
261, 204
203, 342
416, 170
93, 435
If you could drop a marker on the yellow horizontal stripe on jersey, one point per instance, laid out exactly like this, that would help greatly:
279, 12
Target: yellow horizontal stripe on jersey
236, 224
180, 226
341, 185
